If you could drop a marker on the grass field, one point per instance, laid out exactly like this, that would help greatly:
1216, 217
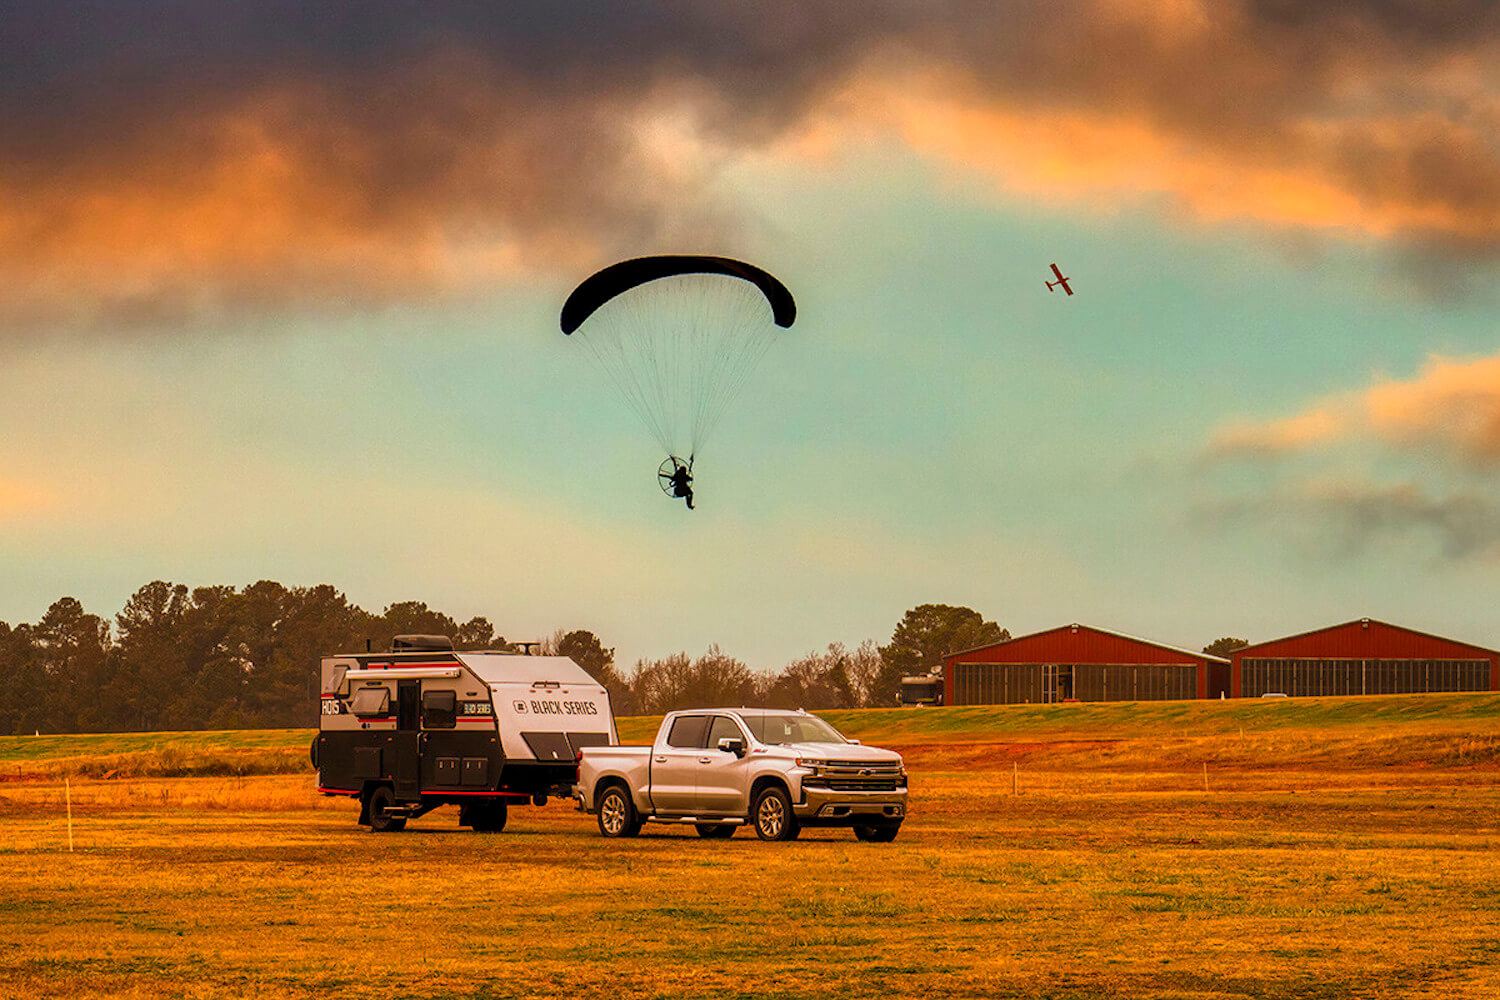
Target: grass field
1323, 848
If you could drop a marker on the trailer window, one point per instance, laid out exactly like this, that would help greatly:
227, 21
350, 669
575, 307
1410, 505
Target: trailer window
688, 731
439, 709
335, 679
371, 702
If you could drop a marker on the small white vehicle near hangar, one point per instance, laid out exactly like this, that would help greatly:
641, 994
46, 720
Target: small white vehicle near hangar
424, 726
718, 768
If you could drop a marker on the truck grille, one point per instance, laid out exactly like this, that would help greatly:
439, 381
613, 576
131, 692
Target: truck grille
883, 767
858, 776
863, 784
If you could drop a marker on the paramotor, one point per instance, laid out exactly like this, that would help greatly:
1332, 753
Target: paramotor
677, 335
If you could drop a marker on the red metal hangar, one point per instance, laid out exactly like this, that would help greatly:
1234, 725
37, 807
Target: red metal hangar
1079, 663
1363, 657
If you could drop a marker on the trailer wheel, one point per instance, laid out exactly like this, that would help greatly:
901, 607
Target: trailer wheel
381, 821
617, 816
882, 834
772, 815
312, 751
716, 831
485, 817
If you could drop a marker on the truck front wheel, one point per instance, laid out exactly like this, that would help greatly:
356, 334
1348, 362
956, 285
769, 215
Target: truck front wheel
772, 815
617, 817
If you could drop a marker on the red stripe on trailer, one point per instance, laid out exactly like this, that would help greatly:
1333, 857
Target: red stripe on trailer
337, 791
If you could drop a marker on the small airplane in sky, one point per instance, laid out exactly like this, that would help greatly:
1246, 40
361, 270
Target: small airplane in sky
1060, 281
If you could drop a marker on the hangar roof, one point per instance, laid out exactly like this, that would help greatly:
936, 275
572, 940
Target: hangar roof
1366, 638
1077, 643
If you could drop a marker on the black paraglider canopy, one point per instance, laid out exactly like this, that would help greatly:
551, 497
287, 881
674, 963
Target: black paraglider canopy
604, 285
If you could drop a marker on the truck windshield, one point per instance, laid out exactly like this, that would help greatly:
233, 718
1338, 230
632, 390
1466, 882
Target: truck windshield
775, 730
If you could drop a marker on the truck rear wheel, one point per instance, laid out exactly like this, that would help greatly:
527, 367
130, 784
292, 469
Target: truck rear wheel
381, 821
882, 834
772, 815
617, 816
715, 831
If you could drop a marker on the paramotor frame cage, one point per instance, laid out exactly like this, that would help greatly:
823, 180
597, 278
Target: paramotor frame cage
666, 473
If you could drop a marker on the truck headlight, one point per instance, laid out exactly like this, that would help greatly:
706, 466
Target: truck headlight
810, 763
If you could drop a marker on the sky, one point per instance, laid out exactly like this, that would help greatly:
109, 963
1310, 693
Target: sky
279, 288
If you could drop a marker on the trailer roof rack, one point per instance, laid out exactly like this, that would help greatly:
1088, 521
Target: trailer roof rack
421, 644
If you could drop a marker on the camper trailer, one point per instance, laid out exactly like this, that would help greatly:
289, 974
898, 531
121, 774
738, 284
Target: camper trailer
424, 726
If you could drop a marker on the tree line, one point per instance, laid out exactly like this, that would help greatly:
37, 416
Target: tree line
206, 658
218, 657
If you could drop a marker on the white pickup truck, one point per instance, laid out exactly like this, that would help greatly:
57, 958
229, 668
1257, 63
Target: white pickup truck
718, 768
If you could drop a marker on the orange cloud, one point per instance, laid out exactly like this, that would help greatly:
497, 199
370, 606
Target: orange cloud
283, 196
1295, 433
1298, 174
1451, 406
251, 216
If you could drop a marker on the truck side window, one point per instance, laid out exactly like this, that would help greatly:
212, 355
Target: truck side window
723, 728
688, 732
439, 709
371, 702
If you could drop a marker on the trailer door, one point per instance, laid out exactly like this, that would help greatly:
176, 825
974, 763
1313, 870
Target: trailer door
405, 745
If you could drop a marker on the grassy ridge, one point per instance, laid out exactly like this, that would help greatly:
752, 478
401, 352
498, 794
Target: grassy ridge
1455, 714
1431, 730
1451, 713
28, 748
219, 753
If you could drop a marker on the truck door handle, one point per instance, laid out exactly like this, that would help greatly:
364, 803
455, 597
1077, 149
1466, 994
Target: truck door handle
704, 760
661, 760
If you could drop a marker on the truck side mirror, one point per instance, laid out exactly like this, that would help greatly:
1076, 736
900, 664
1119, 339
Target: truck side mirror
731, 745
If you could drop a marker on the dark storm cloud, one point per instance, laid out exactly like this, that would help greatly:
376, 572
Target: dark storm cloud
186, 154
1351, 519
79, 74
200, 154
1421, 22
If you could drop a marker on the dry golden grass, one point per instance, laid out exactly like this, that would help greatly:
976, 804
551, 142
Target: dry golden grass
1109, 876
